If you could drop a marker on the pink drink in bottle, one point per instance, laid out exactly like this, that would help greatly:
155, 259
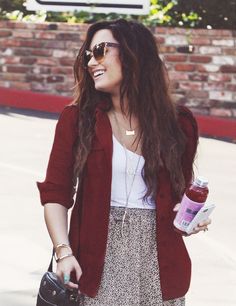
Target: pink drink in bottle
194, 198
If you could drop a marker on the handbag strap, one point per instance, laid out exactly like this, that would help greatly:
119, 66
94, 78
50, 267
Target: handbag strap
51, 262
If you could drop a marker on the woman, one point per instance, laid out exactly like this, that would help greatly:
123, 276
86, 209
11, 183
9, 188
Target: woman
133, 151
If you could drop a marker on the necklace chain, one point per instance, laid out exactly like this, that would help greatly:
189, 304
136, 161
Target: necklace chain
128, 193
130, 132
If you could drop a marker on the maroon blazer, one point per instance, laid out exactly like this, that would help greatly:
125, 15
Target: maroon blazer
90, 215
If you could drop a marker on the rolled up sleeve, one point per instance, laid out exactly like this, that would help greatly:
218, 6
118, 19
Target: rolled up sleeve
59, 184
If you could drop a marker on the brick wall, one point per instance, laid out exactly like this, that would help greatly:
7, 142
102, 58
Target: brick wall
39, 58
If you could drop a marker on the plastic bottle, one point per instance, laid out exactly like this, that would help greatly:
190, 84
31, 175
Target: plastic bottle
193, 200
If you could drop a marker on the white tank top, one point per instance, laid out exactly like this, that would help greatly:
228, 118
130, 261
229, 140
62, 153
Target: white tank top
118, 187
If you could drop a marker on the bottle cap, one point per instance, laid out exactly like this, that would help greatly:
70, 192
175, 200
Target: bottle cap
201, 181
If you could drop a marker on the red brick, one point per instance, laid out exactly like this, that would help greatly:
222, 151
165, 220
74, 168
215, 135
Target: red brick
4, 33
231, 87
54, 44
42, 26
228, 33
190, 86
70, 27
228, 68
185, 67
55, 79
198, 94
160, 30
200, 59
176, 30
14, 77
46, 61
41, 52
198, 77
17, 69
3, 24
202, 41
230, 51
201, 32
35, 78
16, 25
68, 36
45, 35
20, 85
73, 45
28, 60
166, 49
23, 34
177, 75
212, 32
66, 61
31, 43
62, 70
22, 51
10, 43
175, 58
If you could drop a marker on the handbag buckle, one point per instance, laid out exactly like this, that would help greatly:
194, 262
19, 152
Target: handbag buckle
73, 297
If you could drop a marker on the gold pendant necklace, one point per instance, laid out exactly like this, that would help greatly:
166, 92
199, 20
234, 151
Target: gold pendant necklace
129, 132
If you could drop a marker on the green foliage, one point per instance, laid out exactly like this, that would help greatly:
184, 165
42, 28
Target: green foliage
181, 13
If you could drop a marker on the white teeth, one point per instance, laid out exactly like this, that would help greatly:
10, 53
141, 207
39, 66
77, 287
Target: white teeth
98, 72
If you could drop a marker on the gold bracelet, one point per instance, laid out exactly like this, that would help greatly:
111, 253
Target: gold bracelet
61, 245
64, 256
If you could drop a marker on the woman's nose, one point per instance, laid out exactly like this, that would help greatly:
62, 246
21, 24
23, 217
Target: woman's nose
92, 62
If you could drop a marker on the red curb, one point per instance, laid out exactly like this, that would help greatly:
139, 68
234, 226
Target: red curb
208, 126
32, 100
217, 127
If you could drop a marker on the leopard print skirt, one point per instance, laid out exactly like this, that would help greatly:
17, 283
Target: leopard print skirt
131, 272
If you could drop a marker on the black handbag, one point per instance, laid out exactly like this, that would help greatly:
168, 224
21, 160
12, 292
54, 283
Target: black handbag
52, 292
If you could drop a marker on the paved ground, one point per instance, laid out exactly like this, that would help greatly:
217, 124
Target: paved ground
25, 247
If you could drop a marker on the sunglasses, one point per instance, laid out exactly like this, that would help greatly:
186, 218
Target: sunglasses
98, 52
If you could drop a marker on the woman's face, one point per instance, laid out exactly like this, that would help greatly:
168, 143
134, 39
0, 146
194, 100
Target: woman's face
107, 73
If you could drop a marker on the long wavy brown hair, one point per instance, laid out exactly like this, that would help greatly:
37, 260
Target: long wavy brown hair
145, 84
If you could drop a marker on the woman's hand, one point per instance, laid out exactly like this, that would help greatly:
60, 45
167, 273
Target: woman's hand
203, 226
64, 268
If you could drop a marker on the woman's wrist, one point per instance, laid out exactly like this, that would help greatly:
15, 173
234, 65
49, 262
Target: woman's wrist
62, 249
63, 257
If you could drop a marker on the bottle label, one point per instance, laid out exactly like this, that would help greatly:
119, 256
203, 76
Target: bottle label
187, 211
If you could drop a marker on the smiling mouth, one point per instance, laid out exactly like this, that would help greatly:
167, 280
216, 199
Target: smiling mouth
98, 73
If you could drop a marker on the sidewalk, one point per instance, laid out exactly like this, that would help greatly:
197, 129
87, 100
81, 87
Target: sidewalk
26, 248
